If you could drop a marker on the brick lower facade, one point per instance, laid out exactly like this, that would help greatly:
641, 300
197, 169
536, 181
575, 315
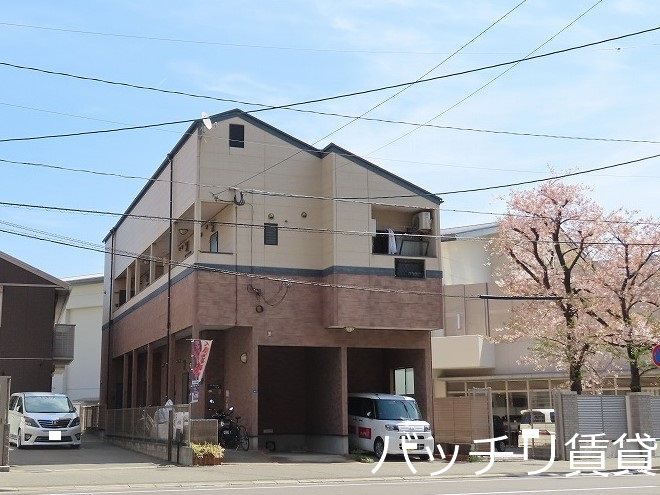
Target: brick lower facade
300, 357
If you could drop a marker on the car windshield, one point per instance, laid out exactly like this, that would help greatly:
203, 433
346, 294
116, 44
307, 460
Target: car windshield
48, 404
393, 409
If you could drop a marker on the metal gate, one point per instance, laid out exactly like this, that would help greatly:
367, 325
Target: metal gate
602, 414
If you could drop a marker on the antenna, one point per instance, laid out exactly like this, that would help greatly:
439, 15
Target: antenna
206, 121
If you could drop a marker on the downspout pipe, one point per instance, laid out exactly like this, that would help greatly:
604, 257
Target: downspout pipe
169, 281
109, 350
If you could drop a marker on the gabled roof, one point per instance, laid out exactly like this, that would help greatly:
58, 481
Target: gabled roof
84, 279
34, 271
372, 167
303, 146
481, 229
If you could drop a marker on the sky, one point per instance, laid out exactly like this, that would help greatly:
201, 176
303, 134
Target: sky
287, 51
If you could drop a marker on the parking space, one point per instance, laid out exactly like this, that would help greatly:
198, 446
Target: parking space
93, 451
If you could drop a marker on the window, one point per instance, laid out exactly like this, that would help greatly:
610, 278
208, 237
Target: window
270, 234
213, 242
397, 410
236, 136
406, 268
404, 381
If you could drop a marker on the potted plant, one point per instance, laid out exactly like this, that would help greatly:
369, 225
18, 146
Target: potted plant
207, 454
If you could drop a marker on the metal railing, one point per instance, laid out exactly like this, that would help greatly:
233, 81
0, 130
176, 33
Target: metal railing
63, 340
161, 424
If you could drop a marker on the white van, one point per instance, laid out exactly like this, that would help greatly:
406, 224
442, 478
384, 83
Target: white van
540, 419
373, 417
43, 418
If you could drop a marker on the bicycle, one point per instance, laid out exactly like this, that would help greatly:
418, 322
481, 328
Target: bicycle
231, 434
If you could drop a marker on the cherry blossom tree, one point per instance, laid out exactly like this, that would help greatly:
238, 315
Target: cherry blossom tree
627, 275
546, 250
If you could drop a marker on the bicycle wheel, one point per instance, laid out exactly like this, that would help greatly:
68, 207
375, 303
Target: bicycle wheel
245, 439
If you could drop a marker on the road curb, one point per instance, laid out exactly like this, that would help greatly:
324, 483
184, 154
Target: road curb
289, 481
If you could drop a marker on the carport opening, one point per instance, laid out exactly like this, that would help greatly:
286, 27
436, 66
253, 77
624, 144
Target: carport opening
300, 406
388, 371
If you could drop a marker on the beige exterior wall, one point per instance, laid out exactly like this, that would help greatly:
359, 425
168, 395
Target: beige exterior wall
244, 313
80, 379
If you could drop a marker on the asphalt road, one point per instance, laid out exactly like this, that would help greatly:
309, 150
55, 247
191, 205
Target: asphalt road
637, 484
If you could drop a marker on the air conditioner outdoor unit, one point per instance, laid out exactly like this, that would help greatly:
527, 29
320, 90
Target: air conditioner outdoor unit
422, 221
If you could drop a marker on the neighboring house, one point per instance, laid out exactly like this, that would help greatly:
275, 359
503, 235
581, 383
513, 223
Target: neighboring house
32, 342
464, 358
84, 309
302, 304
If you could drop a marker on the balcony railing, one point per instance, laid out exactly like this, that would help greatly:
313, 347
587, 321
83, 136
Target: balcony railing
63, 340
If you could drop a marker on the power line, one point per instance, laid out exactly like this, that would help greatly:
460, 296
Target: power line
327, 98
128, 127
401, 90
126, 254
522, 215
235, 45
229, 272
261, 226
348, 199
514, 184
282, 194
257, 45
491, 81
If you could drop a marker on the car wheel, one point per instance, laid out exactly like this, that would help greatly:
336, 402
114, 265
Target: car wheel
500, 446
379, 447
19, 440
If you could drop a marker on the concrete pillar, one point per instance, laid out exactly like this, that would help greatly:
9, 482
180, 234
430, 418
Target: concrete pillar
124, 388
138, 271
129, 281
344, 391
152, 265
134, 379
639, 414
150, 375
566, 420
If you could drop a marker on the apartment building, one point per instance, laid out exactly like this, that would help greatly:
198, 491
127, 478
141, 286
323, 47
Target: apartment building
33, 342
84, 309
463, 356
236, 239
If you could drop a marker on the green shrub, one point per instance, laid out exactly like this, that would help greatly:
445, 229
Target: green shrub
201, 450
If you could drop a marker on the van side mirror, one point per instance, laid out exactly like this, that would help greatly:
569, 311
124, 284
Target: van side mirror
368, 414
20, 409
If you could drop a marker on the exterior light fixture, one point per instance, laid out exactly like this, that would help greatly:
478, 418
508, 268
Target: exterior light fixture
183, 231
271, 216
244, 357
349, 329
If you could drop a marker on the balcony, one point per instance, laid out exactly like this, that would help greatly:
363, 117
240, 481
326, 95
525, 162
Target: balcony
403, 231
63, 340
462, 352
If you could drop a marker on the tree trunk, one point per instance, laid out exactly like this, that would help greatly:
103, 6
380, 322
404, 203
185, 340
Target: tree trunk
635, 380
575, 376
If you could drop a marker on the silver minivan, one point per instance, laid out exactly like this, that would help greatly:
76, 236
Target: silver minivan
43, 418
